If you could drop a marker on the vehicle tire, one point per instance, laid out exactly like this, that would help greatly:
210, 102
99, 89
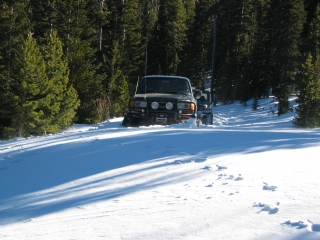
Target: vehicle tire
125, 122
204, 119
210, 119
129, 122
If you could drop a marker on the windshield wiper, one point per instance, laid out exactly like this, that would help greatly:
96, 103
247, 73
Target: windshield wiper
177, 92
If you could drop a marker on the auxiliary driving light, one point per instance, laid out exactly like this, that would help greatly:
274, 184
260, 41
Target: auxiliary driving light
154, 105
169, 105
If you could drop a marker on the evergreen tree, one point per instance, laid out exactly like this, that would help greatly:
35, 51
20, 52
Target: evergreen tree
98, 13
171, 35
149, 16
84, 78
190, 6
196, 58
237, 41
309, 96
3, 97
43, 18
246, 41
260, 64
288, 18
79, 36
133, 41
227, 65
118, 92
14, 26
30, 91
188, 65
149, 19
313, 38
311, 7
64, 101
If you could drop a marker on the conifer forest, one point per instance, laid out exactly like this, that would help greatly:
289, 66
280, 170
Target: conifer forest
74, 61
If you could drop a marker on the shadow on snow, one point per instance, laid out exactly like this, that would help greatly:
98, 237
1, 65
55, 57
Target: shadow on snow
87, 168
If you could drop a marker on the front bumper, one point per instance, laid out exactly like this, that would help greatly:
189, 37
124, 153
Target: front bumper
148, 117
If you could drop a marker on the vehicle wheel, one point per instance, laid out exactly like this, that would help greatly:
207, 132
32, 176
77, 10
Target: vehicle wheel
125, 122
204, 119
210, 119
128, 122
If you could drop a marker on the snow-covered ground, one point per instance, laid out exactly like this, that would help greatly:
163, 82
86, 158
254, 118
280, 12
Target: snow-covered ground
251, 175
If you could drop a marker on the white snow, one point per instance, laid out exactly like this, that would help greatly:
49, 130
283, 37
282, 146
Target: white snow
251, 175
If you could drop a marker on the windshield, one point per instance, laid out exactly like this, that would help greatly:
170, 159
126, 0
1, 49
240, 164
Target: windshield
164, 85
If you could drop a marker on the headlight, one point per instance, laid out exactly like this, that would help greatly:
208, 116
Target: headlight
140, 104
183, 105
186, 106
154, 105
169, 105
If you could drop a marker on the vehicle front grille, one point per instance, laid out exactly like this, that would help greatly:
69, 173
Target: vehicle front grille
162, 106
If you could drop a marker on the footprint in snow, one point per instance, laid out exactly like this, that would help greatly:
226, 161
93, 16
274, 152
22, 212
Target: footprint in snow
312, 227
230, 194
267, 208
298, 224
207, 168
231, 177
269, 188
239, 178
221, 176
220, 168
200, 160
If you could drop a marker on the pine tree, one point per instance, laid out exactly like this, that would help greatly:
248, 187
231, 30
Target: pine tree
43, 18
149, 18
288, 18
30, 90
63, 97
196, 58
190, 6
133, 41
312, 13
14, 26
171, 35
246, 41
261, 59
309, 96
79, 36
228, 25
3, 97
84, 78
118, 91
99, 14
313, 38
237, 41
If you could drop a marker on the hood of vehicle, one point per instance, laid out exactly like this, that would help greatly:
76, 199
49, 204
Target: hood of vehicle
164, 96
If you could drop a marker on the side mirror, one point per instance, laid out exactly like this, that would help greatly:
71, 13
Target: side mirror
196, 93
